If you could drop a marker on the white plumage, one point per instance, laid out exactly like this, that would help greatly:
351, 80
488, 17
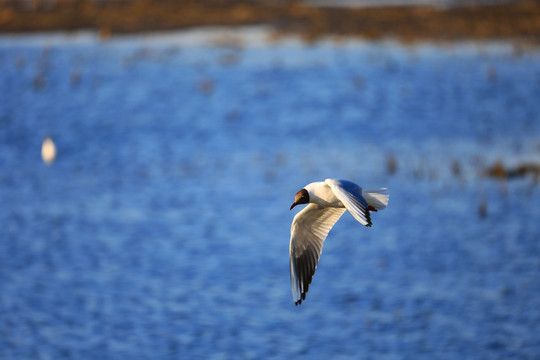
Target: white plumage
327, 200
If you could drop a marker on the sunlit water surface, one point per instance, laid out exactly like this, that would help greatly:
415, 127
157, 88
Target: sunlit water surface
161, 228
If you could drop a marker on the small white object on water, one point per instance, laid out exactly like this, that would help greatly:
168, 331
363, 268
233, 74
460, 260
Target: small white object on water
48, 151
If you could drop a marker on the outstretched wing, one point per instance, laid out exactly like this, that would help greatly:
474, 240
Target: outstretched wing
308, 231
350, 195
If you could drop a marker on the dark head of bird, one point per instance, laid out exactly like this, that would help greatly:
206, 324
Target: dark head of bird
301, 197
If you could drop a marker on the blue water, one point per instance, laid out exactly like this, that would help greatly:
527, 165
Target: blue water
161, 230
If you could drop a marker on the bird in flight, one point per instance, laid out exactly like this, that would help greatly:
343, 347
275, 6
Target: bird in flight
327, 200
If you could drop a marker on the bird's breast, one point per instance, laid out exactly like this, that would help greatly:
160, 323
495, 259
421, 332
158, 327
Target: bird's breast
325, 196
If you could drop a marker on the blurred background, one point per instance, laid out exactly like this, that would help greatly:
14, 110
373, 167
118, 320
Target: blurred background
150, 150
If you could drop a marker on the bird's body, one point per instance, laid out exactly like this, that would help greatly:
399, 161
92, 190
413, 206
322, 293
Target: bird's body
327, 201
320, 193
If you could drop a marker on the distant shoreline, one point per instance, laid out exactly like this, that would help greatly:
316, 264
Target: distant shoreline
515, 21
238, 37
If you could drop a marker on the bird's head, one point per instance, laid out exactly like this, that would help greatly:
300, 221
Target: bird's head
301, 197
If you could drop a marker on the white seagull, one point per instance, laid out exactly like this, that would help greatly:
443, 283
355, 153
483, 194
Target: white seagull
327, 200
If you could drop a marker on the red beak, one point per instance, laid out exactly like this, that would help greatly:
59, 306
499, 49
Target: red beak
293, 205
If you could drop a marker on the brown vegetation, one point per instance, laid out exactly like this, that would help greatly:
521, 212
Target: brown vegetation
500, 171
519, 20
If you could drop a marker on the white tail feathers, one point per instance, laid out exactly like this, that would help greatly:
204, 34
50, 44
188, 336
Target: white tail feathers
376, 198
